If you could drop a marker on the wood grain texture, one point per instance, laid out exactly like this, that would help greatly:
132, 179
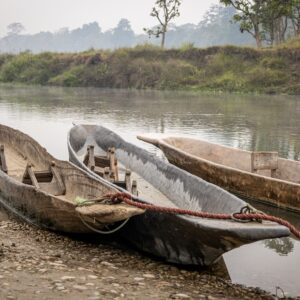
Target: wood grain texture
261, 176
49, 201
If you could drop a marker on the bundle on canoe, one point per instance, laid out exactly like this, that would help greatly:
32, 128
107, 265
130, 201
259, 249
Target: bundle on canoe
176, 238
45, 191
262, 176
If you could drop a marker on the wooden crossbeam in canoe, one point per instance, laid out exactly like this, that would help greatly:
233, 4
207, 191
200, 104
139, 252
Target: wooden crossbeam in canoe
134, 190
89, 159
60, 183
127, 185
98, 163
44, 179
107, 167
3, 165
29, 176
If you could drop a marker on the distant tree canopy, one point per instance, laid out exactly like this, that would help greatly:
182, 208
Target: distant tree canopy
123, 35
269, 21
15, 28
215, 28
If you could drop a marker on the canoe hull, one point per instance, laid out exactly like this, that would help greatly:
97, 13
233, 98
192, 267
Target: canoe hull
176, 239
51, 202
39, 208
279, 193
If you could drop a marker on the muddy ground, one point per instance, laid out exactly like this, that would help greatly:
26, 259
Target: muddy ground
37, 264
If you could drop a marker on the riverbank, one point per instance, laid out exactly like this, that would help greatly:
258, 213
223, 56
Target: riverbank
37, 264
230, 68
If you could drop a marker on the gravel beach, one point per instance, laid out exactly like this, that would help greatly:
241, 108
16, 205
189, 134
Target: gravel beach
38, 264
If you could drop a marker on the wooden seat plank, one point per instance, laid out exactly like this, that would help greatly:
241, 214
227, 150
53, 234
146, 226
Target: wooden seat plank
102, 161
99, 171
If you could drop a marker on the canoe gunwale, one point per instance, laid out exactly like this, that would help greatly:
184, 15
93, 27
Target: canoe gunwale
162, 142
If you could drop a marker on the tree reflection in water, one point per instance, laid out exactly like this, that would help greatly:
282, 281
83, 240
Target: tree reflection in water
282, 246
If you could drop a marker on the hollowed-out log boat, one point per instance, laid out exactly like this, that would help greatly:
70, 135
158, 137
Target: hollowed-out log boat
176, 238
42, 190
261, 176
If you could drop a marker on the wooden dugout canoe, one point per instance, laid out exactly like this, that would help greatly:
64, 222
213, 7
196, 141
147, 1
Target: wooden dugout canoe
259, 176
177, 239
42, 190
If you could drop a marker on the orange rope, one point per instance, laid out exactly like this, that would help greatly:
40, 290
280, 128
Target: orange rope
127, 198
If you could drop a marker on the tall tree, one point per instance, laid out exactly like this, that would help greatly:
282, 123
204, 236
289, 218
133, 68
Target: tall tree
249, 15
274, 16
295, 16
15, 28
164, 11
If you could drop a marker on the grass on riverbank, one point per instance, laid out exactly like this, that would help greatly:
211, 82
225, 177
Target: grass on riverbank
229, 68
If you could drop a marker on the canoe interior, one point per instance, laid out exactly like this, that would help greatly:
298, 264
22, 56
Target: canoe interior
263, 163
166, 184
20, 150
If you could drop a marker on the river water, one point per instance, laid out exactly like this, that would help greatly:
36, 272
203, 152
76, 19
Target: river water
253, 122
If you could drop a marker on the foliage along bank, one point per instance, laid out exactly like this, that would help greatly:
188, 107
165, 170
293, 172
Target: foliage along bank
229, 68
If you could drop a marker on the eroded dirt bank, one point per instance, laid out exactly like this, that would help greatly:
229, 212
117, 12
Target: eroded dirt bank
37, 264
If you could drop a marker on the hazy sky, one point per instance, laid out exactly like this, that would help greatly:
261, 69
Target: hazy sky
43, 15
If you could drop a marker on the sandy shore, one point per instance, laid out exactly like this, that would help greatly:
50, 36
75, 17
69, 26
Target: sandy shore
37, 264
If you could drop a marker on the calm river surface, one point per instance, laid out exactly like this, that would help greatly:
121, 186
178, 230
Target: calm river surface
248, 122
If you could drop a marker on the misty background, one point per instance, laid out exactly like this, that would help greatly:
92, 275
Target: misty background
215, 27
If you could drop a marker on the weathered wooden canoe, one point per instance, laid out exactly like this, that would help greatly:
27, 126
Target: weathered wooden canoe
178, 239
42, 189
256, 175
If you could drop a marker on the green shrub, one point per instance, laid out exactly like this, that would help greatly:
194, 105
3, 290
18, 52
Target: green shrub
273, 62
229, 81
187, 46
265, 77
177, 73
144, 74
82, 76
228, 68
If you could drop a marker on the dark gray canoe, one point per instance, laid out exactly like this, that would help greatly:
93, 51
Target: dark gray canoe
177, 239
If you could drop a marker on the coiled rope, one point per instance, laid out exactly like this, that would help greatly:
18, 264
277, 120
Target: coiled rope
239, 217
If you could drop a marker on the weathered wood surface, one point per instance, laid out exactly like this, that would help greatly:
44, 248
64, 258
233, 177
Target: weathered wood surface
32, 176
261, 176
178, 239
47, 195
58, 178
3, 165
107, 213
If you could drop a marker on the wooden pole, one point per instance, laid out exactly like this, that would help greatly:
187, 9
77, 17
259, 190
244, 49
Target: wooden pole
3, 165
127, 180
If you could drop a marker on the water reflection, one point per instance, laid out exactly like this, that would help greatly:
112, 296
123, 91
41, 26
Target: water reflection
248, 122
282, 246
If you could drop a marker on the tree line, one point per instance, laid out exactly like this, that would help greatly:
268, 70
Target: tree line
268, 21
215, 28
